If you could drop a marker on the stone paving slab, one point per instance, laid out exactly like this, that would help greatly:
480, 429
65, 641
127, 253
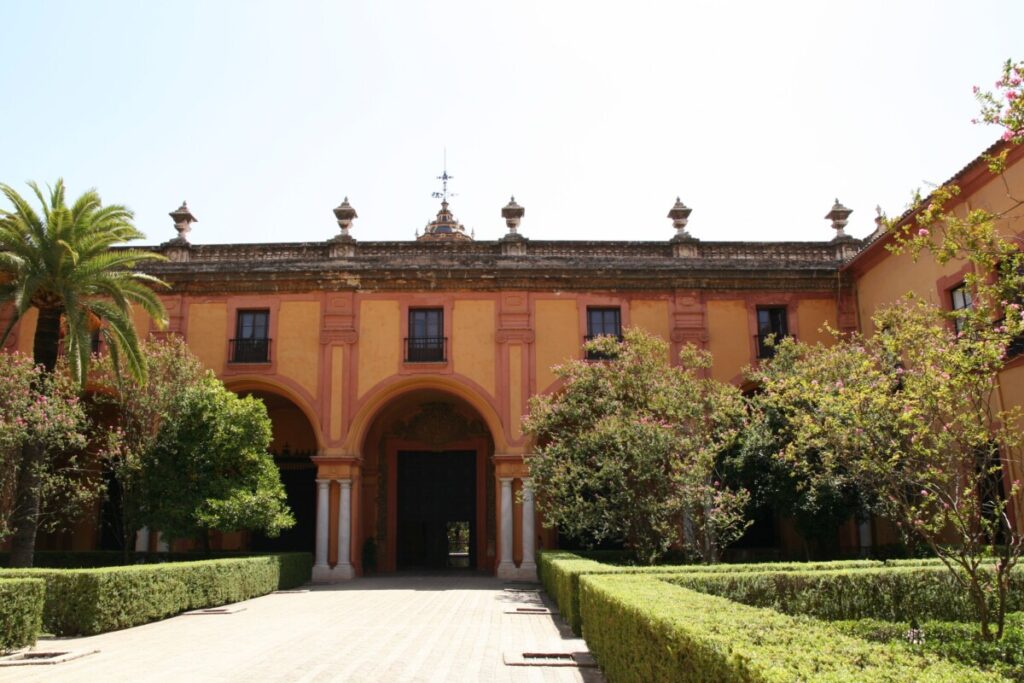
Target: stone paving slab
392, 628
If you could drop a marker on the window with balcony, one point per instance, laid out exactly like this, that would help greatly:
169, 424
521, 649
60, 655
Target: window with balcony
426, 341
772, 322
603, 322
252, 342
960, 300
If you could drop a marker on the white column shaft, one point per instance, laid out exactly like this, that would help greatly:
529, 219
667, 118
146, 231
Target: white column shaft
345, 522
322, 502
529, 532
506, 521
142, 540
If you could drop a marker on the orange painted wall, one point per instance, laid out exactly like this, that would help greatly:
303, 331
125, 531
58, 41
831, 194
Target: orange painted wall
729, 338
298, 343
379, 342
207, 333
556, 322
472, 343
813, 315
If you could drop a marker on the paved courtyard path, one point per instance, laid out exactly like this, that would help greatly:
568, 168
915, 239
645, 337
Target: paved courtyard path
392, 628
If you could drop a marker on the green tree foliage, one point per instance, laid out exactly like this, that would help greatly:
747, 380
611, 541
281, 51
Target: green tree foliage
60, 261
135, 412
818, 504
626, 450
909, 414
42, 409
209, 468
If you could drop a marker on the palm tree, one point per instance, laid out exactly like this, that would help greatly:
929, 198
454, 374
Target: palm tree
61, 263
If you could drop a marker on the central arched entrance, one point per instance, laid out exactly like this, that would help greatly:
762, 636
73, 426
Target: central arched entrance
427, 500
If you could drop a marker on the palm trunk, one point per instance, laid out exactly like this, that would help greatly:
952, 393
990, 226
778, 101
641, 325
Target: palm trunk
26, 498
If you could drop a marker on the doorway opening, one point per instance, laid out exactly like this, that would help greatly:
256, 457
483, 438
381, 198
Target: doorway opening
437, 510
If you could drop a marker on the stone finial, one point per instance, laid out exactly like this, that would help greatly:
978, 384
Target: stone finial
183, 220
879, 220
839, 215
680, 215
345, 214
513, 214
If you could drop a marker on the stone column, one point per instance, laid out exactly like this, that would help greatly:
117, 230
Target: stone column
506, 568
528, 568
344, 570
321, 571
142, 540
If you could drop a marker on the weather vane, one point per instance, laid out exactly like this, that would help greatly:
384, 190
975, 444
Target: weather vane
444, 178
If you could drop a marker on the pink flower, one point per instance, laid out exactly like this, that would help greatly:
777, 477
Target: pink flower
975, 89
923, 232
1011, 95
924, 492
1007, 136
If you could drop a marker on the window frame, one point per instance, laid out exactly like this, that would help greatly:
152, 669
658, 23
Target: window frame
775, 314
421, 346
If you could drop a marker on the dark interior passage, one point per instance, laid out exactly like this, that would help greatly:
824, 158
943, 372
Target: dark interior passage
436, 503
299, 481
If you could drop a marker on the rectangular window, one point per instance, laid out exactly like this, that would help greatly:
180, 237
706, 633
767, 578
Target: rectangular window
426, 341
772, 321
603, 322
960, 298
252, 342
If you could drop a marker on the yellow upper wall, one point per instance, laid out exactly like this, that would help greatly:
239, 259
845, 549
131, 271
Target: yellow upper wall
379, 342
651, 316
557, 338
812, 315
729, 338
207, 334
895, 275
473, 342
298, 343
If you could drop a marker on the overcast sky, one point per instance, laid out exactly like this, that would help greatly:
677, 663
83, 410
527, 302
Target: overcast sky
264, 115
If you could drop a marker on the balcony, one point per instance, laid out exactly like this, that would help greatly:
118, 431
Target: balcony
249, 351
426, 349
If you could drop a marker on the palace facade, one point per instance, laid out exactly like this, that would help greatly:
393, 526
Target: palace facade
397, 374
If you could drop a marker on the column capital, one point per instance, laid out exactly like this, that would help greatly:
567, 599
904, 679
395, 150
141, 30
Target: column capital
323, 483
344, 483
506, 480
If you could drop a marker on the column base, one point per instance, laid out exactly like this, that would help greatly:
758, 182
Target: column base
509, 572
339, 572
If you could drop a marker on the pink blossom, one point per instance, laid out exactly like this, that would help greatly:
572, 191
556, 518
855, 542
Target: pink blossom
1011, 95
923, 232
924, 492
975, 89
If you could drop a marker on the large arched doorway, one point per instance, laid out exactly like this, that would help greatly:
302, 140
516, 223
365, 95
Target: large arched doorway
294, 443
428, 498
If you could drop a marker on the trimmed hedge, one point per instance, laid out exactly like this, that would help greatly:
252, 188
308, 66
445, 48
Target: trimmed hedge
89, 601
21, 612
88, 559
645, 630
560, 572
898, 593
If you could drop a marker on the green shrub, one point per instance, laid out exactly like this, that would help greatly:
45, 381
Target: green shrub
645, 630
952, 640
21, 612
898, 593
560, 572
88, 601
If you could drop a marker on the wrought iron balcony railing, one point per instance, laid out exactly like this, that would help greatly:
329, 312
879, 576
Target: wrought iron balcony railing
426, 349
249, 351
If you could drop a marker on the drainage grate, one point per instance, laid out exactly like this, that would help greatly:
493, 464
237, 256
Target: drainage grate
42, 657
576, 659
230, 609
529, 610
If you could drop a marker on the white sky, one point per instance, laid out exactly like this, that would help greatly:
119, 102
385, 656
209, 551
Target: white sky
263, 115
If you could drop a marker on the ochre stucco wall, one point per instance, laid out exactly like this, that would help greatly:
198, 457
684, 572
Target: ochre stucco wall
207, 333
558, 337
729, 338
813, 314
298, 343
473, 342
379, 342
651, 316
27, 330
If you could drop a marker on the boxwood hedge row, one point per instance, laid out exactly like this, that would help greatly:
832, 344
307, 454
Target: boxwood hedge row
89, 601
898, 593
644, 629
560, 572
21, 612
